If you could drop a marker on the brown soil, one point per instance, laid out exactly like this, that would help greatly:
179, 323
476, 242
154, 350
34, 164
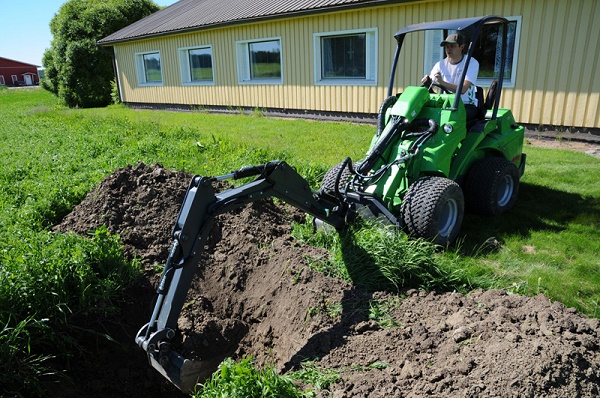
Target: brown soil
591, 147
255, 295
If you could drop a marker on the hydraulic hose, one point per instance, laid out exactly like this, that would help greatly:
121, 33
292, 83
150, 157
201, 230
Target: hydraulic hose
399, 124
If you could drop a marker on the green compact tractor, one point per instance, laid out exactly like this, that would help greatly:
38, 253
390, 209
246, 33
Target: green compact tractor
425, 164
427, 161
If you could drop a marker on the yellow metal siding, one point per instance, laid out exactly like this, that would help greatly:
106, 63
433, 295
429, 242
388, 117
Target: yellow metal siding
298, 90
557, 80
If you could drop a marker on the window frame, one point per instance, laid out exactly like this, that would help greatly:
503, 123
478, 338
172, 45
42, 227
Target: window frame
242, 48
140, 68
432, 48
371, 58
186, 70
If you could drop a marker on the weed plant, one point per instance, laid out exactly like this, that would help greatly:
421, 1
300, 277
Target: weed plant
242, 379
320, 378
381, 310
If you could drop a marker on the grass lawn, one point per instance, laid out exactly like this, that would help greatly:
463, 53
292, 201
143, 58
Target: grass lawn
549, 243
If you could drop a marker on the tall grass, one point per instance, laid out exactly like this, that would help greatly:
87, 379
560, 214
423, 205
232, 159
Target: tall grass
48, 281
381, 258
52, 156
22, 368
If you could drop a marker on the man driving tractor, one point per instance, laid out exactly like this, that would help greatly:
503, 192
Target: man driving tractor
446, 73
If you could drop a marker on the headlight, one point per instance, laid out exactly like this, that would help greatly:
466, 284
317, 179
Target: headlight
448, 128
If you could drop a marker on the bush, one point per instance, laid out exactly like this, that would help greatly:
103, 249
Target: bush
114, 92
78, 71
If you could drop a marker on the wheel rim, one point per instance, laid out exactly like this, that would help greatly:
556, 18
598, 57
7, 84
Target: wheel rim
505, 191
448, 217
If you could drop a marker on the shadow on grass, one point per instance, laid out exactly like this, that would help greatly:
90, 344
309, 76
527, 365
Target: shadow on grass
538, 208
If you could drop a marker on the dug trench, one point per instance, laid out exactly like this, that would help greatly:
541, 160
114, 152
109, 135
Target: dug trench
255, 295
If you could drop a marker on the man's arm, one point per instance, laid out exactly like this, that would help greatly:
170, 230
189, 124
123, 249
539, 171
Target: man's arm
434, 70
471, 77
449, 86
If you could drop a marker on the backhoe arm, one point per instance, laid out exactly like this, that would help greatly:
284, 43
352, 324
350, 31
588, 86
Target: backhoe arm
190, 234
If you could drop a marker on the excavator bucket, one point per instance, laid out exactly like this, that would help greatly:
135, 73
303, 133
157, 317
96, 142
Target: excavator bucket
185, 373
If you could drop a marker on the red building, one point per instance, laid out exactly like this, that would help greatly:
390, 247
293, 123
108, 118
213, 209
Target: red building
16, 73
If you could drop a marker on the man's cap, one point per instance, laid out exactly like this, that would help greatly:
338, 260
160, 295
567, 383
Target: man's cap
454, 38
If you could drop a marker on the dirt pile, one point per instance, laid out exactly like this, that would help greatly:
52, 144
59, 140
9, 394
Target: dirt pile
140, 203
254, 294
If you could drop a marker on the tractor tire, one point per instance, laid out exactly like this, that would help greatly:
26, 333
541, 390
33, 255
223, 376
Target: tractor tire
433, 209
328, 184
491, 186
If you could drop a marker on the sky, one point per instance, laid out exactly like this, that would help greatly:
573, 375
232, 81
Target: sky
25, 28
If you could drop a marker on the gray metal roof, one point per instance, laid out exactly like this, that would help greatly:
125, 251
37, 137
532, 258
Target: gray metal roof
187, 15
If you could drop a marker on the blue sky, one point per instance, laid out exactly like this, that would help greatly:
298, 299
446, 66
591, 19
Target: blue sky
25, 28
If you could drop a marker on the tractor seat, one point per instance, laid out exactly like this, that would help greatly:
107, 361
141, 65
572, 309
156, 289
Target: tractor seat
483, 105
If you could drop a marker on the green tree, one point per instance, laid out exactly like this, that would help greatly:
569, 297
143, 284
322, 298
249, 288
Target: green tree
77, 70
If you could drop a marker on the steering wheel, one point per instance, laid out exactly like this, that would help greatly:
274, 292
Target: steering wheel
444, 89
428, 84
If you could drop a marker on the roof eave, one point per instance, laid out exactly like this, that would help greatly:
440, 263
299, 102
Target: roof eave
365, 4
21, 62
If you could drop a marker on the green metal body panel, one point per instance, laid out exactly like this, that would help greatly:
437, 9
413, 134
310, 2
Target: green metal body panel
410, 103
500, 137
437, 153
445, 154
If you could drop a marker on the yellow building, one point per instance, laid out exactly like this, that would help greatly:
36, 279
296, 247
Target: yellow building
335, 56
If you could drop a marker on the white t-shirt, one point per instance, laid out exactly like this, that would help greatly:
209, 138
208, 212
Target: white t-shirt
451, 74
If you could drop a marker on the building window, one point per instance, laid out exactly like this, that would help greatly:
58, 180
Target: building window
346, 58
486, 52
259, 61
148, 68
196, 65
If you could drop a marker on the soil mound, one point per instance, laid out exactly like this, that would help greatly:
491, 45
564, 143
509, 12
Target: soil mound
140, 203
255, 294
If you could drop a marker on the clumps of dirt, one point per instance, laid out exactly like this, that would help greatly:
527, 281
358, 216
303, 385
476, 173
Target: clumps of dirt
591, 148
486, 344
140, 203
254, 273
255, 294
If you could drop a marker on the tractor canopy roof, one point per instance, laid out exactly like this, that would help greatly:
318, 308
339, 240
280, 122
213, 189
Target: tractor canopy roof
469, 26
